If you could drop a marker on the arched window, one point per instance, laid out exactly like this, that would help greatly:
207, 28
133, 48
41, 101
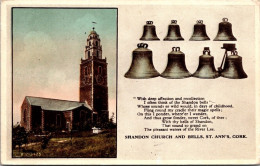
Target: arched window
96, 43
89, 43
97, 53
99, 70
88, 53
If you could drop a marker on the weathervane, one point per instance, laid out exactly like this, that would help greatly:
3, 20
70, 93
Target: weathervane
93, 26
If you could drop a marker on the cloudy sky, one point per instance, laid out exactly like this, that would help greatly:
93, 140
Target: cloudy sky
47, 47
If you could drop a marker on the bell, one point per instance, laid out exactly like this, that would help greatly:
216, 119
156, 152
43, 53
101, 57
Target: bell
142, 64
233, 67
173, 32
206, 68
176, 67
149, 32
225, 31
199, 32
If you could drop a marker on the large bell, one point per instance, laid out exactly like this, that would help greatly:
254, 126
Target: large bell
225, 31
199, 32
173, 32
142, 63
149, 32
206, 68
233, 67
176, 67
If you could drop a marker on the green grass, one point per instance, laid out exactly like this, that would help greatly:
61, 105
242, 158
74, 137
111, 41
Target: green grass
101, 145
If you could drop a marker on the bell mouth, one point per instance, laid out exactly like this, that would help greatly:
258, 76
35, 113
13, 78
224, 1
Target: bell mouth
175, 75
224, 38
234, 78
198, 38
133, 75
173, 38
149, 38
206, 76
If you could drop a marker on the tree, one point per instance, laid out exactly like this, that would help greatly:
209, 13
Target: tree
20, 136
107, 125
111, 123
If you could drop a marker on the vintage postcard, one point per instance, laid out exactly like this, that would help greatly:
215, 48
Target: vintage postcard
120, 82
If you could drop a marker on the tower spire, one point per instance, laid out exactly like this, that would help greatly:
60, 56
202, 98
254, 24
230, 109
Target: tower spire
93, 46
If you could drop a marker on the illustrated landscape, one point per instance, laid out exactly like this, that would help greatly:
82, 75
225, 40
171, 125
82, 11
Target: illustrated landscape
64, 83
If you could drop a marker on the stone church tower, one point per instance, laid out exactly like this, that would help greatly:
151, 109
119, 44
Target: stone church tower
93, 79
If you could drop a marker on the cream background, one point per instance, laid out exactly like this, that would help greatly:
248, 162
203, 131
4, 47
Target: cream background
240, 93
243, 94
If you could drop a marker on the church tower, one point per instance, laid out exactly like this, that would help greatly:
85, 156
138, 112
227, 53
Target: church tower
93, 78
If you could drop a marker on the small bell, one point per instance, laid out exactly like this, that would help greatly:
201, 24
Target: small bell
142, 64
206, 68
225, 31
199, 32
233, 67
176, 67
149, 32
173, 32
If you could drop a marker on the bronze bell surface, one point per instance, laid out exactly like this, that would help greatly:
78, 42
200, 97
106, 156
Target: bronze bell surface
174, 32
142, 64
206, 68
199, 32
225, 31
149, 32
233, 67
176, 67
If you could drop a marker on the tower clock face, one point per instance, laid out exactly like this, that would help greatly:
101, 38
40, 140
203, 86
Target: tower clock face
100, 79
86, 81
